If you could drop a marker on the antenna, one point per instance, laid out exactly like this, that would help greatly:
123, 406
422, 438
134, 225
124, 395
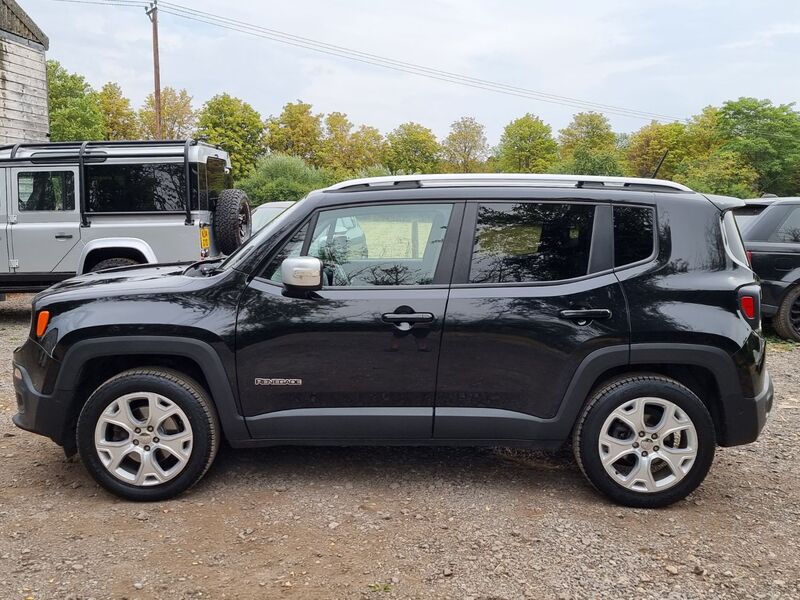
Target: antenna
658, 166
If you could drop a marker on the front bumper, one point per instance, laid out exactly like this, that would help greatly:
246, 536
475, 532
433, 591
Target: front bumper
744, 425
44, 414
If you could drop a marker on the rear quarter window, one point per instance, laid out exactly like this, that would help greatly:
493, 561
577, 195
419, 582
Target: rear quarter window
733, 238
634, 234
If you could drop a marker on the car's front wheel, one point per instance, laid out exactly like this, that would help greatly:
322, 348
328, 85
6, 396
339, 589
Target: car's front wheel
148, 434
645, 441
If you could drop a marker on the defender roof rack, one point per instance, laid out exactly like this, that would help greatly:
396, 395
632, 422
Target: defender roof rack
508, 180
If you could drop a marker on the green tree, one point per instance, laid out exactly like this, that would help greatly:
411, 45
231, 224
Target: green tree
282, 177
526, 146
412, 148
465, 149
118, 115
177, 115
587, 162
73, 106
297, 131
588, 130
236, 127
767, 137
722, 172
347, 152
648, 145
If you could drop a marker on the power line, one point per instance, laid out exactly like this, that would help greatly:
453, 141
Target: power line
380, 61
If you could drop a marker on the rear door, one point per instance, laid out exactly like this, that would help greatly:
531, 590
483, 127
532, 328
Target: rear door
45, 220
533, 294
4, 241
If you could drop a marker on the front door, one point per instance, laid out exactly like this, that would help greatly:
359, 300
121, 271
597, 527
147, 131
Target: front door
356, 361
45, 218
533, 294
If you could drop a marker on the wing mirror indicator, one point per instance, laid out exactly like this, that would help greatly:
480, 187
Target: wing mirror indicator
302, 274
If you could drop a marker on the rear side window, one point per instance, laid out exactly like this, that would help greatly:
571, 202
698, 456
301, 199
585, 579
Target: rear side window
215, 178
789, 230
46, 191
531, 241
634, 238
733, 238
136, 188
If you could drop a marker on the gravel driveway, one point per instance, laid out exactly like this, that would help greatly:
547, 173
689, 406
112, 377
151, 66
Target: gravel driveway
397, 522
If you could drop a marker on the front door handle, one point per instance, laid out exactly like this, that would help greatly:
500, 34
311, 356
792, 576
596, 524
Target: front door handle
63, 236
397, 318
583, 315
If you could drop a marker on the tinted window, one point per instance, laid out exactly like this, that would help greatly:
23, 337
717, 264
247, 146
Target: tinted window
789, 229
374, 245
531, 242
215, 178
46, 190
633, 234
136, 188
733, 238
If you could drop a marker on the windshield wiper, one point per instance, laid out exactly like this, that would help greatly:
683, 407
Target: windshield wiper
202, 264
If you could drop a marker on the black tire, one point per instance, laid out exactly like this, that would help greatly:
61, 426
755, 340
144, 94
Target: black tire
786, 321
232, 224
111, 263
180, 390
615, 394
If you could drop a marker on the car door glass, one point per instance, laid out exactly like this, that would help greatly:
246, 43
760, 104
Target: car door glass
530, 241
789, 230
46, 191
373, 245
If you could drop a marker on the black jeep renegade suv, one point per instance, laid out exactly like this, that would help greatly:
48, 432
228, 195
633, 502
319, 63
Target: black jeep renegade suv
619, 314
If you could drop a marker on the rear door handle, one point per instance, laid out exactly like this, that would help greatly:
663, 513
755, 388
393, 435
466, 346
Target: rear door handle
396, 318
63, 236
584, 315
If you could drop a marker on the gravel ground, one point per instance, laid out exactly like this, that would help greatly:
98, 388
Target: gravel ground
398, 523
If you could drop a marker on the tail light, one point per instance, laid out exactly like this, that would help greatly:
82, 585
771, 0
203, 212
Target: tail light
750, 304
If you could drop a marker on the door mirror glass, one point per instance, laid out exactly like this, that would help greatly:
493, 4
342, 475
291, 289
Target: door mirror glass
302, 273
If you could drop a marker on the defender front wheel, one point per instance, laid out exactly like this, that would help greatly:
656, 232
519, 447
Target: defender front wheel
645, 441
148, 434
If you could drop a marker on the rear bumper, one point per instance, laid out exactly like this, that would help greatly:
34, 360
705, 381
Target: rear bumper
744, 424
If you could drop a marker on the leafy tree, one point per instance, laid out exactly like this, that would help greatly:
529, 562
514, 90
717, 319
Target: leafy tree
722, 172
368, 148
586, 162
236, 127
74, 110
281, 177
118, 115
297, 132
767, 137
412, 148
346, 151
648, 145
526, 146
588, 130
464, 150
177, 115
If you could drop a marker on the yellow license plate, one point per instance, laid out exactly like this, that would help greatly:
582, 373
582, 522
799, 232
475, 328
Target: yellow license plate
205, 238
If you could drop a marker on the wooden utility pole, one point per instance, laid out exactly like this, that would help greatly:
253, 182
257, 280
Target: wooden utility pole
152, 12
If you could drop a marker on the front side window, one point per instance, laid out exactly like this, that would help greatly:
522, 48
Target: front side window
789, 229
373, 245
530, 242
136, 188
633, 234
46, 191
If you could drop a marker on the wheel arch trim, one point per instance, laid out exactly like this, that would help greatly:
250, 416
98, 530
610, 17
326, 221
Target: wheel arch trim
109, 243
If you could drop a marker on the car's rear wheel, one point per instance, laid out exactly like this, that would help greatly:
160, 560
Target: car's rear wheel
645, 441
112, 263
148, 434
786, 321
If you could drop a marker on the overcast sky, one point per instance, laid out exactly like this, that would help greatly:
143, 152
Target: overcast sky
668, 57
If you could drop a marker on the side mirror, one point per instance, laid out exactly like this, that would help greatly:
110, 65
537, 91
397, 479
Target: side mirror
302, 274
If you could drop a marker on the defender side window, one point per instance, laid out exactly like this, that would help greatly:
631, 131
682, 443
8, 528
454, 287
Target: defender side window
215, 178
46, 191
373, 245
531, 242
634, 237
150, 187
789, 229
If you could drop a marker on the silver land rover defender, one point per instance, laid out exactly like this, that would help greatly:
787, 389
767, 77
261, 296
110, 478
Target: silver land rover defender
70, 208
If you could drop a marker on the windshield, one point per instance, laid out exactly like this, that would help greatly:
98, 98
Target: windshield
258, 238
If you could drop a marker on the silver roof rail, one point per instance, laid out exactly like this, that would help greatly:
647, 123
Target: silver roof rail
508, 179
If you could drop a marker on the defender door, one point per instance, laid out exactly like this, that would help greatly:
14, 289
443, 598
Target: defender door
357, 360
4, 241
533, 294
45, 218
